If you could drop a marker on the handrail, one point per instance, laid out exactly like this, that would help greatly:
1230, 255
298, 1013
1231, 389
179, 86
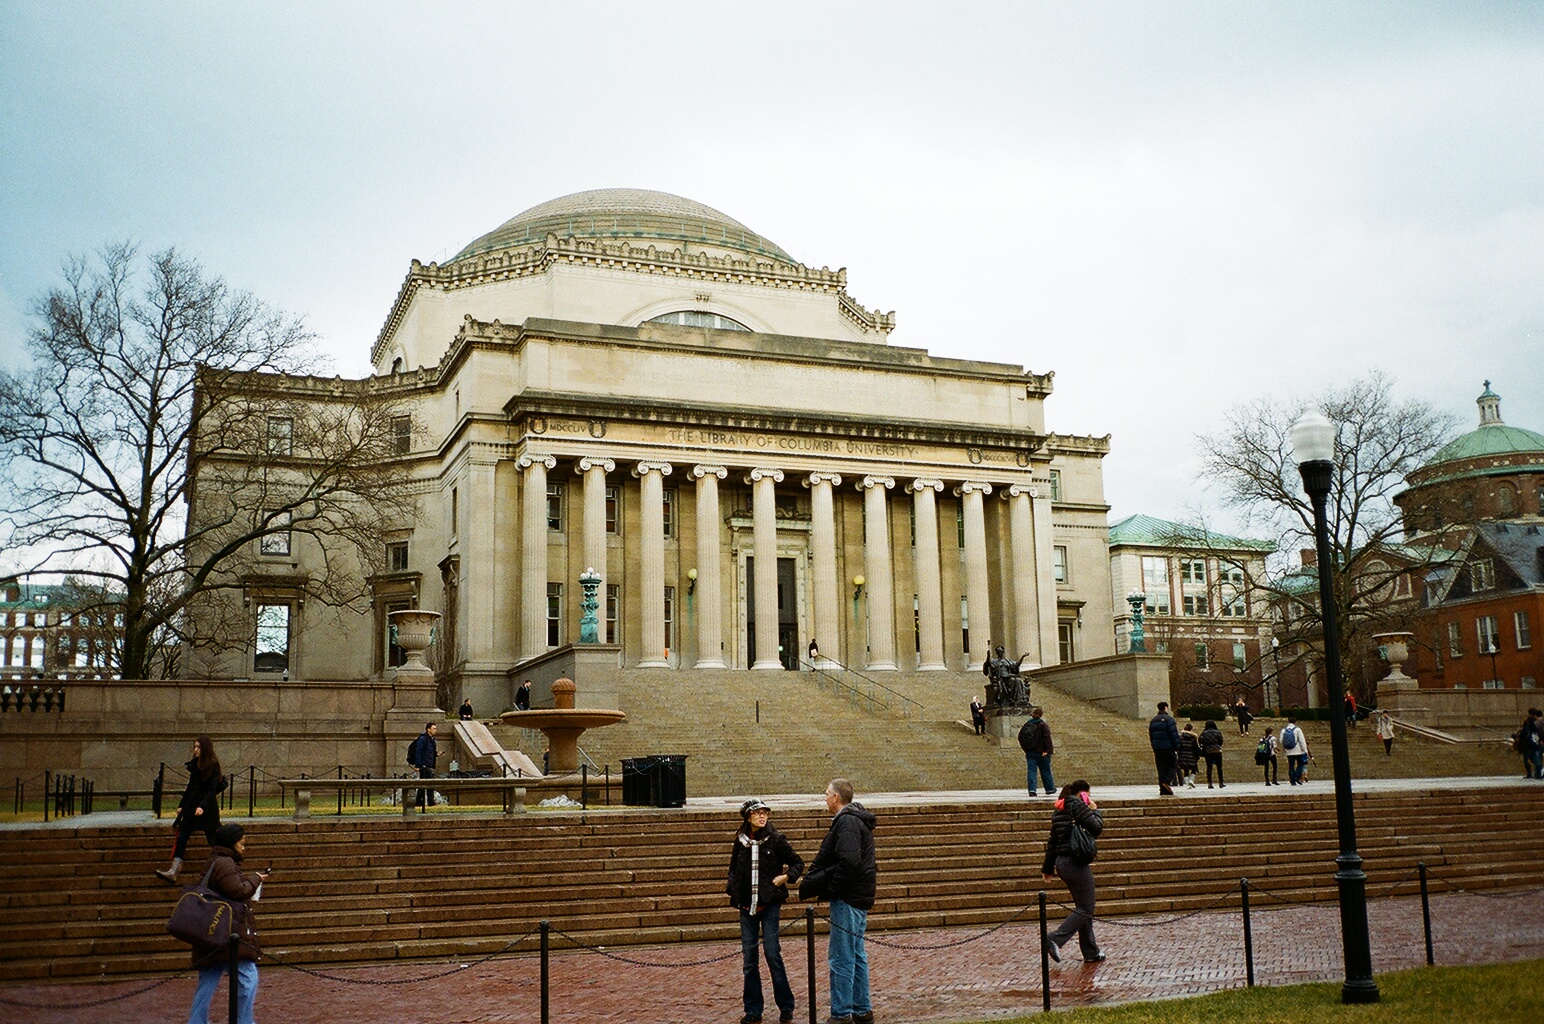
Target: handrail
899, 701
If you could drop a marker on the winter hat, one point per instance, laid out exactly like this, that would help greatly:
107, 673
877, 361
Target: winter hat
229, 835
753, 804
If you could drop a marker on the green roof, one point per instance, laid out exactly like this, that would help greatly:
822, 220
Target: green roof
1151, 532
1491, 439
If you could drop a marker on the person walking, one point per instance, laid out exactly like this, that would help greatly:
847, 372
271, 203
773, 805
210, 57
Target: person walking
978, 716
1350, 702
1075, 805
424, 754
1385, 728
1295, 745
1265, 757
1530, 744
1189, 754
1035, 739
212, 962
1163, 735
1211, 749
1241, 712
199, 808
845, 873
761, 864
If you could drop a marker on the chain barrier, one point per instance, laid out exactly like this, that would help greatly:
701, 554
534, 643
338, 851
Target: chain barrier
280, 962
870, 937
1508, 895
649, 963
208, 958
1163, 921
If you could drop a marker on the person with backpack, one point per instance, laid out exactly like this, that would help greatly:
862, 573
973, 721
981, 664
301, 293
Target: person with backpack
1211, 749
424, 755
1295, 745
1529, 742
1189, 754
1265, 757
1035, 739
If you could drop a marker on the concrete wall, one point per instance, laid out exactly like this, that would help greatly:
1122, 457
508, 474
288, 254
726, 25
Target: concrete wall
1127, 684
1459, 709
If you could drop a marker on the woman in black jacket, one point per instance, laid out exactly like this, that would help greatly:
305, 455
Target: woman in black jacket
1211, 749
1075, 804
761, 865
200, 805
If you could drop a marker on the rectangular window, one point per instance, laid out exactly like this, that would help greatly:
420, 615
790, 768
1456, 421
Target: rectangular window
964, 623
278, 541
959, 525
455, 511
1455, 641
396, 557
668, 507
1195, 604
669, 619
555, 507
1203, 656
1192, 570
613, 609
273, 638
1529, 683
281, 435
1233, 604
1485, 631
1064, 642
40, 619
1494, 684
911, 511
916, 622
554, 614
613, 517
401, 435
1232, 574
1482, 575
395, 655
1239, 658
1059, 562
1056, 485
1155, 583
1521, 630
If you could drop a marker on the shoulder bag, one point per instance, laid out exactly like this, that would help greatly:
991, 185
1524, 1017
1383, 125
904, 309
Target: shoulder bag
1080, 845
202, 916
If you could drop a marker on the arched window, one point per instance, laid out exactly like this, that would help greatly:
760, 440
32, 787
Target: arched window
1506, 500
396, 365
696, 318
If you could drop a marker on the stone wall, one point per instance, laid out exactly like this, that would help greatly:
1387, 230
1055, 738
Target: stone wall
1127, 684
1458, 710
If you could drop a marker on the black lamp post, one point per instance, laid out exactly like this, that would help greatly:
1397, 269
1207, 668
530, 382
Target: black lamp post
1313, 445
1491, 650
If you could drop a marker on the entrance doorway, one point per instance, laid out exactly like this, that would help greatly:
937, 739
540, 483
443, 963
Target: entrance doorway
787, 613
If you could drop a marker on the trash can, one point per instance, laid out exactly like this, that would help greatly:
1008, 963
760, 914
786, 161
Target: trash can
670, 780
638, 781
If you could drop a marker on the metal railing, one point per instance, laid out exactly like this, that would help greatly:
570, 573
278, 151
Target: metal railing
863, 690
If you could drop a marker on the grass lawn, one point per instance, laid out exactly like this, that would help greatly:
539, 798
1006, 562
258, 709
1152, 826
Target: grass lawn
1511, 992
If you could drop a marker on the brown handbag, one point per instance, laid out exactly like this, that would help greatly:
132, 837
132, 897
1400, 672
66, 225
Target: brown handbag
202, 916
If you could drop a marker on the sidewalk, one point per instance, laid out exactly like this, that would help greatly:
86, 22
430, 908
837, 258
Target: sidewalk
933, 976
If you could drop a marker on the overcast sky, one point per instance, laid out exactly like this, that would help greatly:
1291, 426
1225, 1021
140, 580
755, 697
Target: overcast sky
1175, 207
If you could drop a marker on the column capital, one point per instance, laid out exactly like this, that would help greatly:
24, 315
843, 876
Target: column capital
698, 472
834, 479
886, 482
642, 469
762, 473
973, 487
923, 484
590, 462
1019, 490
527, 461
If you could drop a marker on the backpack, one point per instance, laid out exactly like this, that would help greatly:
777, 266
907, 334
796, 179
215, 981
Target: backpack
1262, 753
1289, 738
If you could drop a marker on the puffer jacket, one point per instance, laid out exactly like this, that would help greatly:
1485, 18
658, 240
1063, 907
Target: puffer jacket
1068, 811
773, 855
845, 868
1211, 741
227, 879
1163, 733
1189, 751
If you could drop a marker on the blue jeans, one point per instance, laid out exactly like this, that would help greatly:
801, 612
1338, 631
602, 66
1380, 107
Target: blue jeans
848, 961
1043, 763
1295, 765
1533, 763
766, 924
209, 979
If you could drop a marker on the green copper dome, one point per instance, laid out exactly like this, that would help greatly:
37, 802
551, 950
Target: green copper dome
638, 216
1492, 438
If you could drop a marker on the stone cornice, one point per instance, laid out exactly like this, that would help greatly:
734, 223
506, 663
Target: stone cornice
1076, 444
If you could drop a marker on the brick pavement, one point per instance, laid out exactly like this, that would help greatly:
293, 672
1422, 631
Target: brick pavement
932, 976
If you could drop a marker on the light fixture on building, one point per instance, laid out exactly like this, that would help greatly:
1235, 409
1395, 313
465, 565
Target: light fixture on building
1313, 448
857, 586
691, 580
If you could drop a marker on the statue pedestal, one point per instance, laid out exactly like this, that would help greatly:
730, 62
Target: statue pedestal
412, 686
1004, 725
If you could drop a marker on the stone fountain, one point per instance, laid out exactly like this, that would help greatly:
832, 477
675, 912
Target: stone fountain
563, 724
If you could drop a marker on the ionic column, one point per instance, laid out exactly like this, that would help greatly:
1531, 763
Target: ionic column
827, 596
1026, 581
976, 595
876, 567
651, 575
533, 554
764, 540
1045, 576
595, 469
930, 622
709, 599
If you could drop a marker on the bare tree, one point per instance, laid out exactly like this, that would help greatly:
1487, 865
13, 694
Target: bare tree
1379, 441
141, 390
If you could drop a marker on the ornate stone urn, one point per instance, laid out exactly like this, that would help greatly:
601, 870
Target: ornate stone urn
1396, 648
414, 679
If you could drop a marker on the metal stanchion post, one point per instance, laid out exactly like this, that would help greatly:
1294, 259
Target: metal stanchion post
809, 956
1243, 888
546, 927
1045, 961
158, 790
1431, 961
47, 794
584, 787
251, 789
340, 790
234, 948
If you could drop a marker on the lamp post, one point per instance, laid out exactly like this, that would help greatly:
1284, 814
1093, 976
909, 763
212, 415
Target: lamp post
1137, 599
1491, 649
1273, 691
1313, 445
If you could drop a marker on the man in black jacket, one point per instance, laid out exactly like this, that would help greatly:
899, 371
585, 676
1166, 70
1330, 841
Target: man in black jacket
424, 755
844, 872
1163, 734
1035, 738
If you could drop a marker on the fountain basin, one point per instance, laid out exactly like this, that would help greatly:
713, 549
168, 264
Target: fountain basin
563, 725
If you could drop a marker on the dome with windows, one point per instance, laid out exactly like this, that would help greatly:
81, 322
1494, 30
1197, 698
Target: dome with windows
1492, 438
638, 216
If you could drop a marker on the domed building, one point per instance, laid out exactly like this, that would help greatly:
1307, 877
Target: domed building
1495, 472
634, 383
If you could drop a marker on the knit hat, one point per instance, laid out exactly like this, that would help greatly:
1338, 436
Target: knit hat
229, 835
753, 804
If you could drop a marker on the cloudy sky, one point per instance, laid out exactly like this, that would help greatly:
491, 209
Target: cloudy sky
1175, 207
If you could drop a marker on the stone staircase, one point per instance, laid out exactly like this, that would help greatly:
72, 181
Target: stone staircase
83, 903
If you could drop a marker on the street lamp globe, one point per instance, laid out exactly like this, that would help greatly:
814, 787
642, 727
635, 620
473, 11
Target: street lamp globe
1313, 439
